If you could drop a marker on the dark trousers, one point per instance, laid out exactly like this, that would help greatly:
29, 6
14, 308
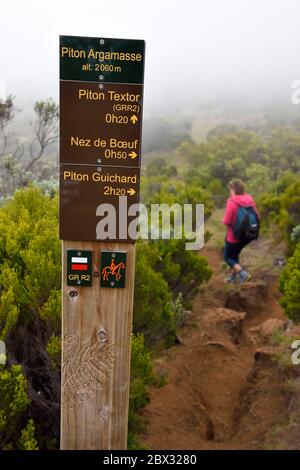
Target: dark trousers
232, 252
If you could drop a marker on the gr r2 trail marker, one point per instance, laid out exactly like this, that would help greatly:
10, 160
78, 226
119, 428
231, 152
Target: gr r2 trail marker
79, 268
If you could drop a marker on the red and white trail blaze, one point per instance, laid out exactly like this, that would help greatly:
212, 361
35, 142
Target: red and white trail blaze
79, 264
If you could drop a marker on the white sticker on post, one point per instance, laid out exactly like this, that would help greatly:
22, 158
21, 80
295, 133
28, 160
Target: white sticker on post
79, 260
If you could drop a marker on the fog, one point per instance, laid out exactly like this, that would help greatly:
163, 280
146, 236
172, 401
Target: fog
196, 51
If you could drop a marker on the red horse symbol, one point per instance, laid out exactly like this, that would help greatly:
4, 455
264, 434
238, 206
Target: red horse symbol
113, 269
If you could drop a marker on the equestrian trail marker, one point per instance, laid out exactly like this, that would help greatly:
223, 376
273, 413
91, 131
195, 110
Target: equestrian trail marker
101, 105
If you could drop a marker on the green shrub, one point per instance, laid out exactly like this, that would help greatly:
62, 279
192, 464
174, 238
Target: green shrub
290, 286
184, 270
54, 350
30, 256
27, 440
50, 311
13, 403
258, 177
158, 166
218, 191
163, 190
30, 294
164, 269
141, 375
260, 159
152, 312
282, 207
295, 235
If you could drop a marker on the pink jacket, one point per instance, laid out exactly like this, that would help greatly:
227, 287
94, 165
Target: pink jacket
232, 206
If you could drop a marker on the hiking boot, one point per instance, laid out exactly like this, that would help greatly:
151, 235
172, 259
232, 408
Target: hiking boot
244, 276
231, 279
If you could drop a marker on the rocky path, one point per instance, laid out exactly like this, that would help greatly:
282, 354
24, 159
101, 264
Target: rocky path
223, 390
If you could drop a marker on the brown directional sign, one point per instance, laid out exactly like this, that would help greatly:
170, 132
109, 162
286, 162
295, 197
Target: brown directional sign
100, 125
83, 189
101, 99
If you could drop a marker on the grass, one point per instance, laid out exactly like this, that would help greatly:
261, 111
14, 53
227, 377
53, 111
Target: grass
283, 355
284, 360
292, 386
284, 436
277, 338
217, 230
259, 257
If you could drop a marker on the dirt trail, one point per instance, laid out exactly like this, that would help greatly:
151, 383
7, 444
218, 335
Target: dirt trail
223, 390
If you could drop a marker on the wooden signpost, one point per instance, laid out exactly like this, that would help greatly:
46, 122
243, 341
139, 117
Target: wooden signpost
101, 96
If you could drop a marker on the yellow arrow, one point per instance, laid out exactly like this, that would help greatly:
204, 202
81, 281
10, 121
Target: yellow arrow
131, 191
133, 155
134, 119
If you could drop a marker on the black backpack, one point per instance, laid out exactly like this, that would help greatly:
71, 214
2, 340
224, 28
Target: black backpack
247, 224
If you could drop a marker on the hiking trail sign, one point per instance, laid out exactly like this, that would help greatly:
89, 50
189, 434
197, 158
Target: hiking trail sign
101, 105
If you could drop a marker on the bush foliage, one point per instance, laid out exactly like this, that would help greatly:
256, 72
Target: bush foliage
14, 402
290, 286
30, 300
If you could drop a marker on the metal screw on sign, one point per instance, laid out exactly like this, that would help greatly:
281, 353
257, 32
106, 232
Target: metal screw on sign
102, 42
99, 168
73, 293
101, 77
78, 253
101, 86
78, 282
99, 160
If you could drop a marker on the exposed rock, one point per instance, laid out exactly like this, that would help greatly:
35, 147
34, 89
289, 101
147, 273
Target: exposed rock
263, 331
294, 330
263, 400
228, 321
248, 298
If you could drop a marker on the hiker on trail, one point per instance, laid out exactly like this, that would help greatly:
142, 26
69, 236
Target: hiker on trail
242, 221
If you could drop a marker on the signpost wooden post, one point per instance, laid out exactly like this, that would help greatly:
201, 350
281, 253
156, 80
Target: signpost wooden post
101, 94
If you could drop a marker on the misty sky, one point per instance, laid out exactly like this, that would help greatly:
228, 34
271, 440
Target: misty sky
196, 49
